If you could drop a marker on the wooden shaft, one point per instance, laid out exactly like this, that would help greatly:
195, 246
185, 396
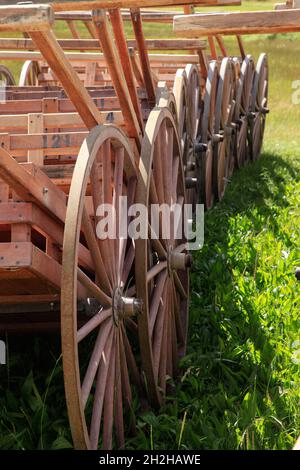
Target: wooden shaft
212, 46
54, 55
203, 63
116, 72
221, 45
241, 46
118, 29
25, 18
136, 68
144, 59
237, 23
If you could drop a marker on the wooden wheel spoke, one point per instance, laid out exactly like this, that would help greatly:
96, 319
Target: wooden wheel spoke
93, 323
131, 189
157, 299
175, 177
107, 180
92, 288
109, 400
157, 337
162, 365
174, 336
117, 193
157, 245
127, 394
99, 394
126, 387
133, 369
118, 415
128, 262
92, 242
178, 322
156, 269
104, 334
158, 170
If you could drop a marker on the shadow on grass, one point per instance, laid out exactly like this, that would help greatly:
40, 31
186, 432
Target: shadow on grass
235, 398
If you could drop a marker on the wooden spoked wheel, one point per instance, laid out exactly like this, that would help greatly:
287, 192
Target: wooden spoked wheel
242, 110
259, 105
195, 108
223, 130
98, 358
6, 77
205, 153
29, 73
162, 278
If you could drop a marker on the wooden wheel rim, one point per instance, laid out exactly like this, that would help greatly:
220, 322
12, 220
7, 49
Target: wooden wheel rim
159, 349
6, 76
205, 159
194, 101
243, 108
195, 108
224, 115
77, 393
259, 105
166, 99
180, 94
29, 73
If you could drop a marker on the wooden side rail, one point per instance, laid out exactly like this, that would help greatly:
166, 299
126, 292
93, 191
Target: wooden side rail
70, 5
99, 58
278, 21
25, 18
25, 44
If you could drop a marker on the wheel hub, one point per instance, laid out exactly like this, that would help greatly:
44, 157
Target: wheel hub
123, 306
178, 261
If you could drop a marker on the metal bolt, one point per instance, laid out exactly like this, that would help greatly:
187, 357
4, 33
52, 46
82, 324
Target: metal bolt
199, 147
190, 166
217, 138
190, 182
45, 190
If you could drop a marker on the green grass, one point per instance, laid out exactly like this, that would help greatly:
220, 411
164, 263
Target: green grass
240, 388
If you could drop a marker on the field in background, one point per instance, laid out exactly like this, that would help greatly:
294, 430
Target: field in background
240, 387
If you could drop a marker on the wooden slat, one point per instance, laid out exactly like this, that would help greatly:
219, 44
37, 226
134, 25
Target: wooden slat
26, 18
53, 120
58, 142
74, 57
238, 23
